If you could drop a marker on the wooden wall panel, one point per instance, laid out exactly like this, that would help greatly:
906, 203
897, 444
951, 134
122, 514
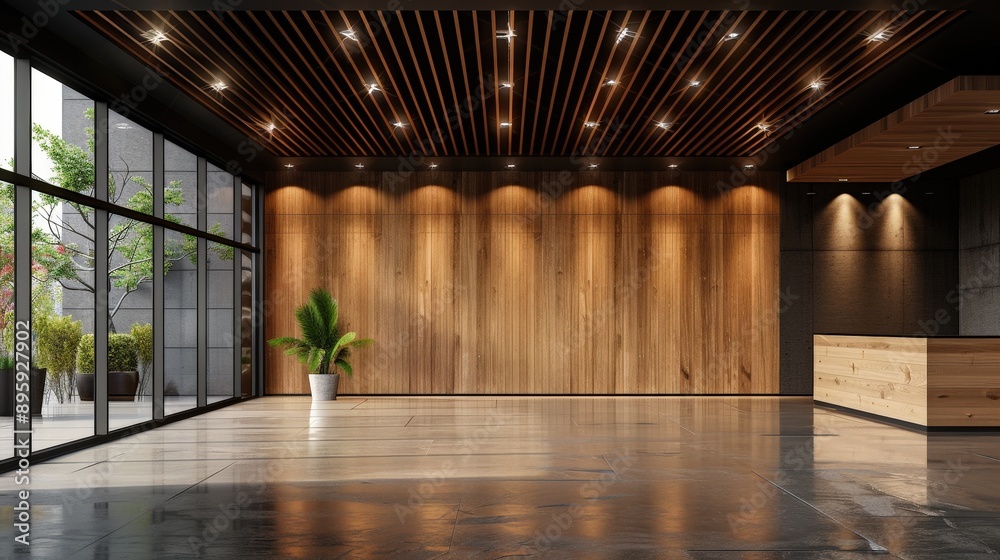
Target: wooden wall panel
532, 283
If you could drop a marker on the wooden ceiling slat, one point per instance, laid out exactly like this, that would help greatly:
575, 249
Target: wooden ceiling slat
588, 115
393, 135
707, 117
279, 82
541, 86
439, 131
573, 81
526, 86
466, 105
380, 140
481, 87
675, 87
192, 88
625, 85
311, 69
451, 82
294, 67
403, 65
495, 83
806, 38
321, 63
559, 66
575, 126
384, 122
640, 92
708, 83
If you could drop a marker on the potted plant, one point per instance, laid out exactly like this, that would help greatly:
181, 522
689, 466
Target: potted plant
37, 384
322, 347
123, 363
58, 340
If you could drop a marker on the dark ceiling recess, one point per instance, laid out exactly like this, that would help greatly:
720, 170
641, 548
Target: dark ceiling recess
450, 83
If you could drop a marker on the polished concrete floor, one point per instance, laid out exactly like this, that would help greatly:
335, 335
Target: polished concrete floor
698, 478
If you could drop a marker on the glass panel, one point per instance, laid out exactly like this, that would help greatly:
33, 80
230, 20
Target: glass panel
6, 111
220, 202
130, 319
6, 319
247, 214
62, 139
130, 161
63, 315
221, 340
246, 353
181, 195
180, 323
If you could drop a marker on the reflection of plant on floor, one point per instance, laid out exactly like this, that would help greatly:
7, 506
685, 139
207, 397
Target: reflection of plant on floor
143, 335
130, 242
58, 339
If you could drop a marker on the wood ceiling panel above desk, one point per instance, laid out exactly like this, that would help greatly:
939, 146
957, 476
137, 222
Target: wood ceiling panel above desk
945, 125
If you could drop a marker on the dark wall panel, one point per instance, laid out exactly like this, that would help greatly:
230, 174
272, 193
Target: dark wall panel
865, 259
979, 258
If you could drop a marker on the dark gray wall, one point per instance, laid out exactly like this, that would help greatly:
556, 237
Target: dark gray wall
878, 263
979, 254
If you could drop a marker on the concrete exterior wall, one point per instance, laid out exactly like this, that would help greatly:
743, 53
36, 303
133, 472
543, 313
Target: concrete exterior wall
979, 254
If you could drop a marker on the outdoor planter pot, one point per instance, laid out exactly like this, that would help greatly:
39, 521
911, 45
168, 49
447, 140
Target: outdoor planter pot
38, 376
121, 385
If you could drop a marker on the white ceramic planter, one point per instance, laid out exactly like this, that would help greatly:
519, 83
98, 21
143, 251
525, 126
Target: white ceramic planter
324, 386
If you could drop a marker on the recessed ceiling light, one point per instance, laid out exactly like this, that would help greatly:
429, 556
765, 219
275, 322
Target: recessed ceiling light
624, 33
350, 35
506, 85
272, 127
433, 166
749, 166
593, 165
591, 124
818, 84
399, 124
155, 37
764, 126
372, 88
219, 86
810, 193
730, 37
665, 125
993, 112
880, 35
843, 180
913, 147
928, 193
695, 83
289, 166
610, 83
507, 35
504, 124
869, 192
511, 165
123, 126
673, 166
359, 165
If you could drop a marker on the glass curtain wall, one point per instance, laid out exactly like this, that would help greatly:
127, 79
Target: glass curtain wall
162, 265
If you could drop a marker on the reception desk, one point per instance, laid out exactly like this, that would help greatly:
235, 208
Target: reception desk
932, 382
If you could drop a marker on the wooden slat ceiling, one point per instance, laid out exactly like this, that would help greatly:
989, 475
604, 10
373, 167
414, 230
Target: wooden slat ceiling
953, 121
442, 74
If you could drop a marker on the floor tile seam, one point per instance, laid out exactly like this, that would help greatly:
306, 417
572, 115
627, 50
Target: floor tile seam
145, 511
